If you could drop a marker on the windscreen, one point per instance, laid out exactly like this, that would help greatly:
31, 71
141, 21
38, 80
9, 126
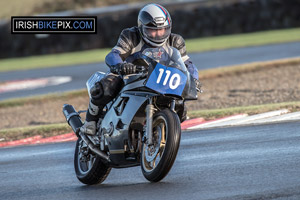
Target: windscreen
168, 74
167, 56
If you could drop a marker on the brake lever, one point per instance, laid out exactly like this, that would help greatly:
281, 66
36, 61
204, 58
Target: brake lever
141, 69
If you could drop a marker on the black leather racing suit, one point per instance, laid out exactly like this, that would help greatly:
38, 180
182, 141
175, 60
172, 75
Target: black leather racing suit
127, 49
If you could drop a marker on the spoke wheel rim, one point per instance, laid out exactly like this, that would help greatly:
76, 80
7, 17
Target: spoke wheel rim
86, 160
160, 129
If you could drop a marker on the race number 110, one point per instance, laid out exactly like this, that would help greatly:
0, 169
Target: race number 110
173, 82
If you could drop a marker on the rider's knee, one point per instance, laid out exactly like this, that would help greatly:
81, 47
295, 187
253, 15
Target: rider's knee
112, 84
106, 89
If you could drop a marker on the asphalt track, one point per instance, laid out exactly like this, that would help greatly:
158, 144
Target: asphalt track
206, 60
251, 162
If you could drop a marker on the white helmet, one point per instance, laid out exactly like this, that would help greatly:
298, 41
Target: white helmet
154, 23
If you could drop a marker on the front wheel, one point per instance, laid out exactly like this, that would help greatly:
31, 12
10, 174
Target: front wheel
158, 159
89, 168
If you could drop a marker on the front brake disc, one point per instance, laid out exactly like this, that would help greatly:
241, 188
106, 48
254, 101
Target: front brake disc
151, 151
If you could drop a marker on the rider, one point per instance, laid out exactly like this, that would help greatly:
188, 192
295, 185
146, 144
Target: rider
154, 30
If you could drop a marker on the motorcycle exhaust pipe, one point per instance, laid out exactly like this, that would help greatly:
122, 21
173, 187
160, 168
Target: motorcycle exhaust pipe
72, 117
75, 122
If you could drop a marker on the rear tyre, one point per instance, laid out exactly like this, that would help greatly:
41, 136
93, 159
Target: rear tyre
158, 159
89, 168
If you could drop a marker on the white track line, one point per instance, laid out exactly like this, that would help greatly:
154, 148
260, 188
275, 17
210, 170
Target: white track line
240, 121
262, 116
33, 83
216, 122
285, 117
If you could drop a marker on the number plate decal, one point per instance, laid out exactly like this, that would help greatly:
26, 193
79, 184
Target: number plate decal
167, 80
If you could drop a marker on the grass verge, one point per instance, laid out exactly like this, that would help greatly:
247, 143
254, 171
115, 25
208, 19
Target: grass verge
193, 45
243, 40
43, 130
53, 60
251, 110
57, 129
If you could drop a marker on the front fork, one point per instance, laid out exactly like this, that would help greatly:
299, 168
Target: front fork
149, 117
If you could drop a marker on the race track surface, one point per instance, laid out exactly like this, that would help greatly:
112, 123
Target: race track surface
251, 162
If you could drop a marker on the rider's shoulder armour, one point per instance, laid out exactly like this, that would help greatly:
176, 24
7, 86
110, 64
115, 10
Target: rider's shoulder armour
129, 39
178, 42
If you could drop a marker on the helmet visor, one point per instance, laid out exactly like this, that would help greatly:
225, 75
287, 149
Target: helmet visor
157, 34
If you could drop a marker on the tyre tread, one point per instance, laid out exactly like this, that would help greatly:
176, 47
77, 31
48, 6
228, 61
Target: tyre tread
173, 145
96, 175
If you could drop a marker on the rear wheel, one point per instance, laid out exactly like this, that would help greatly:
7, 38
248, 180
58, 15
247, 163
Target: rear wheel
89, 168
158, 159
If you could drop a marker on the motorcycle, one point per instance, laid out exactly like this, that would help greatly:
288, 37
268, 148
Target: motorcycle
140, 126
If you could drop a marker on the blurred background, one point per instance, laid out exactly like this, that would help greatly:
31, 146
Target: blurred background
191, 19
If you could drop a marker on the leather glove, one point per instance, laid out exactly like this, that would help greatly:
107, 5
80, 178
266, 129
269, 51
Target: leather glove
198, 85
124, 68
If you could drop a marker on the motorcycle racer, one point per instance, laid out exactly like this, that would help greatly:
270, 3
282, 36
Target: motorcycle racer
153, 31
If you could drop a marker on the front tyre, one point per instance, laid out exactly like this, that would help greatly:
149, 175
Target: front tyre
158, 159
89, 168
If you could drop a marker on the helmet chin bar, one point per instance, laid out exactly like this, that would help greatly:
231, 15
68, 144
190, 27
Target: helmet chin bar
153, 43
156, 34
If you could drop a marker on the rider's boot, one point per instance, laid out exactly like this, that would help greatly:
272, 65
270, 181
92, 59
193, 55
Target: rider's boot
92, 116
89, 128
